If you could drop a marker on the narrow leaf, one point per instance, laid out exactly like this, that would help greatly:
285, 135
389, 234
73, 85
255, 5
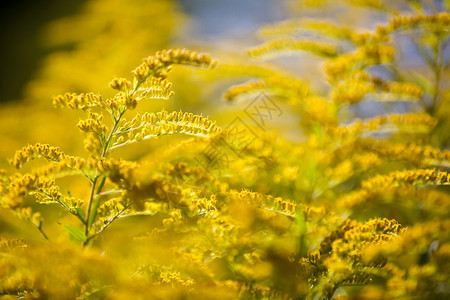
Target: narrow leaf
100, 187
301, 229
75, 232
93, 212
96, 203
81, 213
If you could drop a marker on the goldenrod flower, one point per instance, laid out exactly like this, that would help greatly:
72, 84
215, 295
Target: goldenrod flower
277, 46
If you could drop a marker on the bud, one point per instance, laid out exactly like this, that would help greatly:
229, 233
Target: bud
120, 84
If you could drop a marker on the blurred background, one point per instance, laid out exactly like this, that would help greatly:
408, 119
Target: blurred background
22, 23
25, 27
52, 47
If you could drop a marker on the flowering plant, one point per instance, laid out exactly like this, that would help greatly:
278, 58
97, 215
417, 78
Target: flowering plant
357, 208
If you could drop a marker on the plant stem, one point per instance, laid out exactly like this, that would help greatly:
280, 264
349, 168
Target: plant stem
111, 134
63, 204
43, 233
104, 153
107, 224
94, 182
437, 75
88, 212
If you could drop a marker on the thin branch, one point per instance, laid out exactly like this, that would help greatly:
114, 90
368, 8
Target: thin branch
105, 150
110, 192
107, 224
41, 231
63, 205
438, 63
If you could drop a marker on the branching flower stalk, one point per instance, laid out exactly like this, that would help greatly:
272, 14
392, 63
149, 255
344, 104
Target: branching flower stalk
94, 193
149, 82
156, 67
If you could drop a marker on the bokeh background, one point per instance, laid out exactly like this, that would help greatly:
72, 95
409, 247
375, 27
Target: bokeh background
52, 47
25, 26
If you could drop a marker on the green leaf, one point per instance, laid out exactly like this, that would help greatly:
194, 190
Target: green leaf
311, 172
425, 84
96, 203
93, 212
100, 187
80, 212
301, 229
77, 233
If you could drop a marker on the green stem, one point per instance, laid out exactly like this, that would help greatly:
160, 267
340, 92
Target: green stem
63, 204
43, 234
104, 153
111, 134
94, 182
41, 231
88, 212
107, 224
111, 192
437, 75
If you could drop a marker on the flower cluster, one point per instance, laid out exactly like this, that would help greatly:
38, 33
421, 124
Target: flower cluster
397, 121
285, 87
439, 22
159, 64
155, 88
283, 44
150, 125
360, 86
101, 170
93, 124
415, 177
413, 153
21, 185
364, 56
78, 101
297, 25
32, 152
